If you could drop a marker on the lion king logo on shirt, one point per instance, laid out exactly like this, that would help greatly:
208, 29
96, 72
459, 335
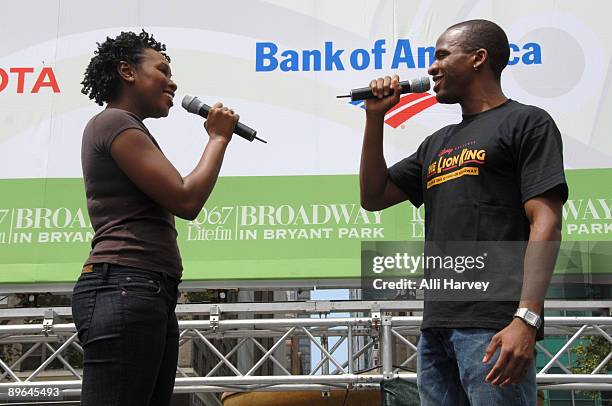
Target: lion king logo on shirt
453, 163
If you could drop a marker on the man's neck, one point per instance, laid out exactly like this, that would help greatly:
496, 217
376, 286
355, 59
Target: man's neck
483, 98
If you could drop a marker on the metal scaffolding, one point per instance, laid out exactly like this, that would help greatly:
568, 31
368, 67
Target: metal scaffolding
373, 339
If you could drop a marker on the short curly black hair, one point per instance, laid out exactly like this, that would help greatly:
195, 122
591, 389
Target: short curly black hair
101, 82
490, 36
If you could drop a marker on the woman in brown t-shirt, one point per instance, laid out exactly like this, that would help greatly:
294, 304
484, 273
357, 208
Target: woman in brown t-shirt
123, 304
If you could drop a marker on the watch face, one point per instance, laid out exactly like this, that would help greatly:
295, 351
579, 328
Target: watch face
528, 316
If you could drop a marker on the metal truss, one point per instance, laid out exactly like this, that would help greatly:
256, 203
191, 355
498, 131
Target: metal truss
376, 345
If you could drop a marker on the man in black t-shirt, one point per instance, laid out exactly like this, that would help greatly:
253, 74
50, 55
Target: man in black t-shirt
495, 176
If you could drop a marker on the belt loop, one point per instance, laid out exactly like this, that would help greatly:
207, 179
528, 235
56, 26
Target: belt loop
105, 270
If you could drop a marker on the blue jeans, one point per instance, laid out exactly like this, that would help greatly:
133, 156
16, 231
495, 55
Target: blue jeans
450, 371
126, 323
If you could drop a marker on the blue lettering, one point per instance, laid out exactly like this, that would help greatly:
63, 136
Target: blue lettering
534, 56
291, 61
316, 56
333, 59
264, 56
513, 49
266, 59
365, 59
403, 54
422, 51
378, 51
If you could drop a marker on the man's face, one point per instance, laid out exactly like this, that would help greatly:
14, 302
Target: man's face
452, 69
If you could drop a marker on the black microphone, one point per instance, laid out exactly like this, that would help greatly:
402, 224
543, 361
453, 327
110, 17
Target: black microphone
194, 105
416, 85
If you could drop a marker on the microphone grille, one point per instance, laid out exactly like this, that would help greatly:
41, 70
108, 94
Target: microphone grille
420, 85
189, 105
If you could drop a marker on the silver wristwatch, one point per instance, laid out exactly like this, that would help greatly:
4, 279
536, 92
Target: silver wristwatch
529, 317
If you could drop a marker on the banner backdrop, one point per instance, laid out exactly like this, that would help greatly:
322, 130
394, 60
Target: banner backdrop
289, 208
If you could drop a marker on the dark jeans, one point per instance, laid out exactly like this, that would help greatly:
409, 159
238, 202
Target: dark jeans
450, 371
126, 323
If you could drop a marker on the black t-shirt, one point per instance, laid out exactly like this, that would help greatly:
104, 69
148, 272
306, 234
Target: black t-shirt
474, 178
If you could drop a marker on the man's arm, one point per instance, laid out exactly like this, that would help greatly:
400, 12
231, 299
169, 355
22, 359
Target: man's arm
517, 340
377, 191
545, 218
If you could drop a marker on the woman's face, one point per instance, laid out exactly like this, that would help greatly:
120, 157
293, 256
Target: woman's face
153, 85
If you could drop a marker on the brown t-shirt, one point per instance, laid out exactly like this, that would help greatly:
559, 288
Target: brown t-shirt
130, 228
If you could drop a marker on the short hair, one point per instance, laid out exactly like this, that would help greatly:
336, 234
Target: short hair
102, 81
488, 35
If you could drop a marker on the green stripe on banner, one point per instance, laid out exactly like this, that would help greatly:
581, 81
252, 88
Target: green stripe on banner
286, 227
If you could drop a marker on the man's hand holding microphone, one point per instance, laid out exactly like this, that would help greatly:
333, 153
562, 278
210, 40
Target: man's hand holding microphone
386, 93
